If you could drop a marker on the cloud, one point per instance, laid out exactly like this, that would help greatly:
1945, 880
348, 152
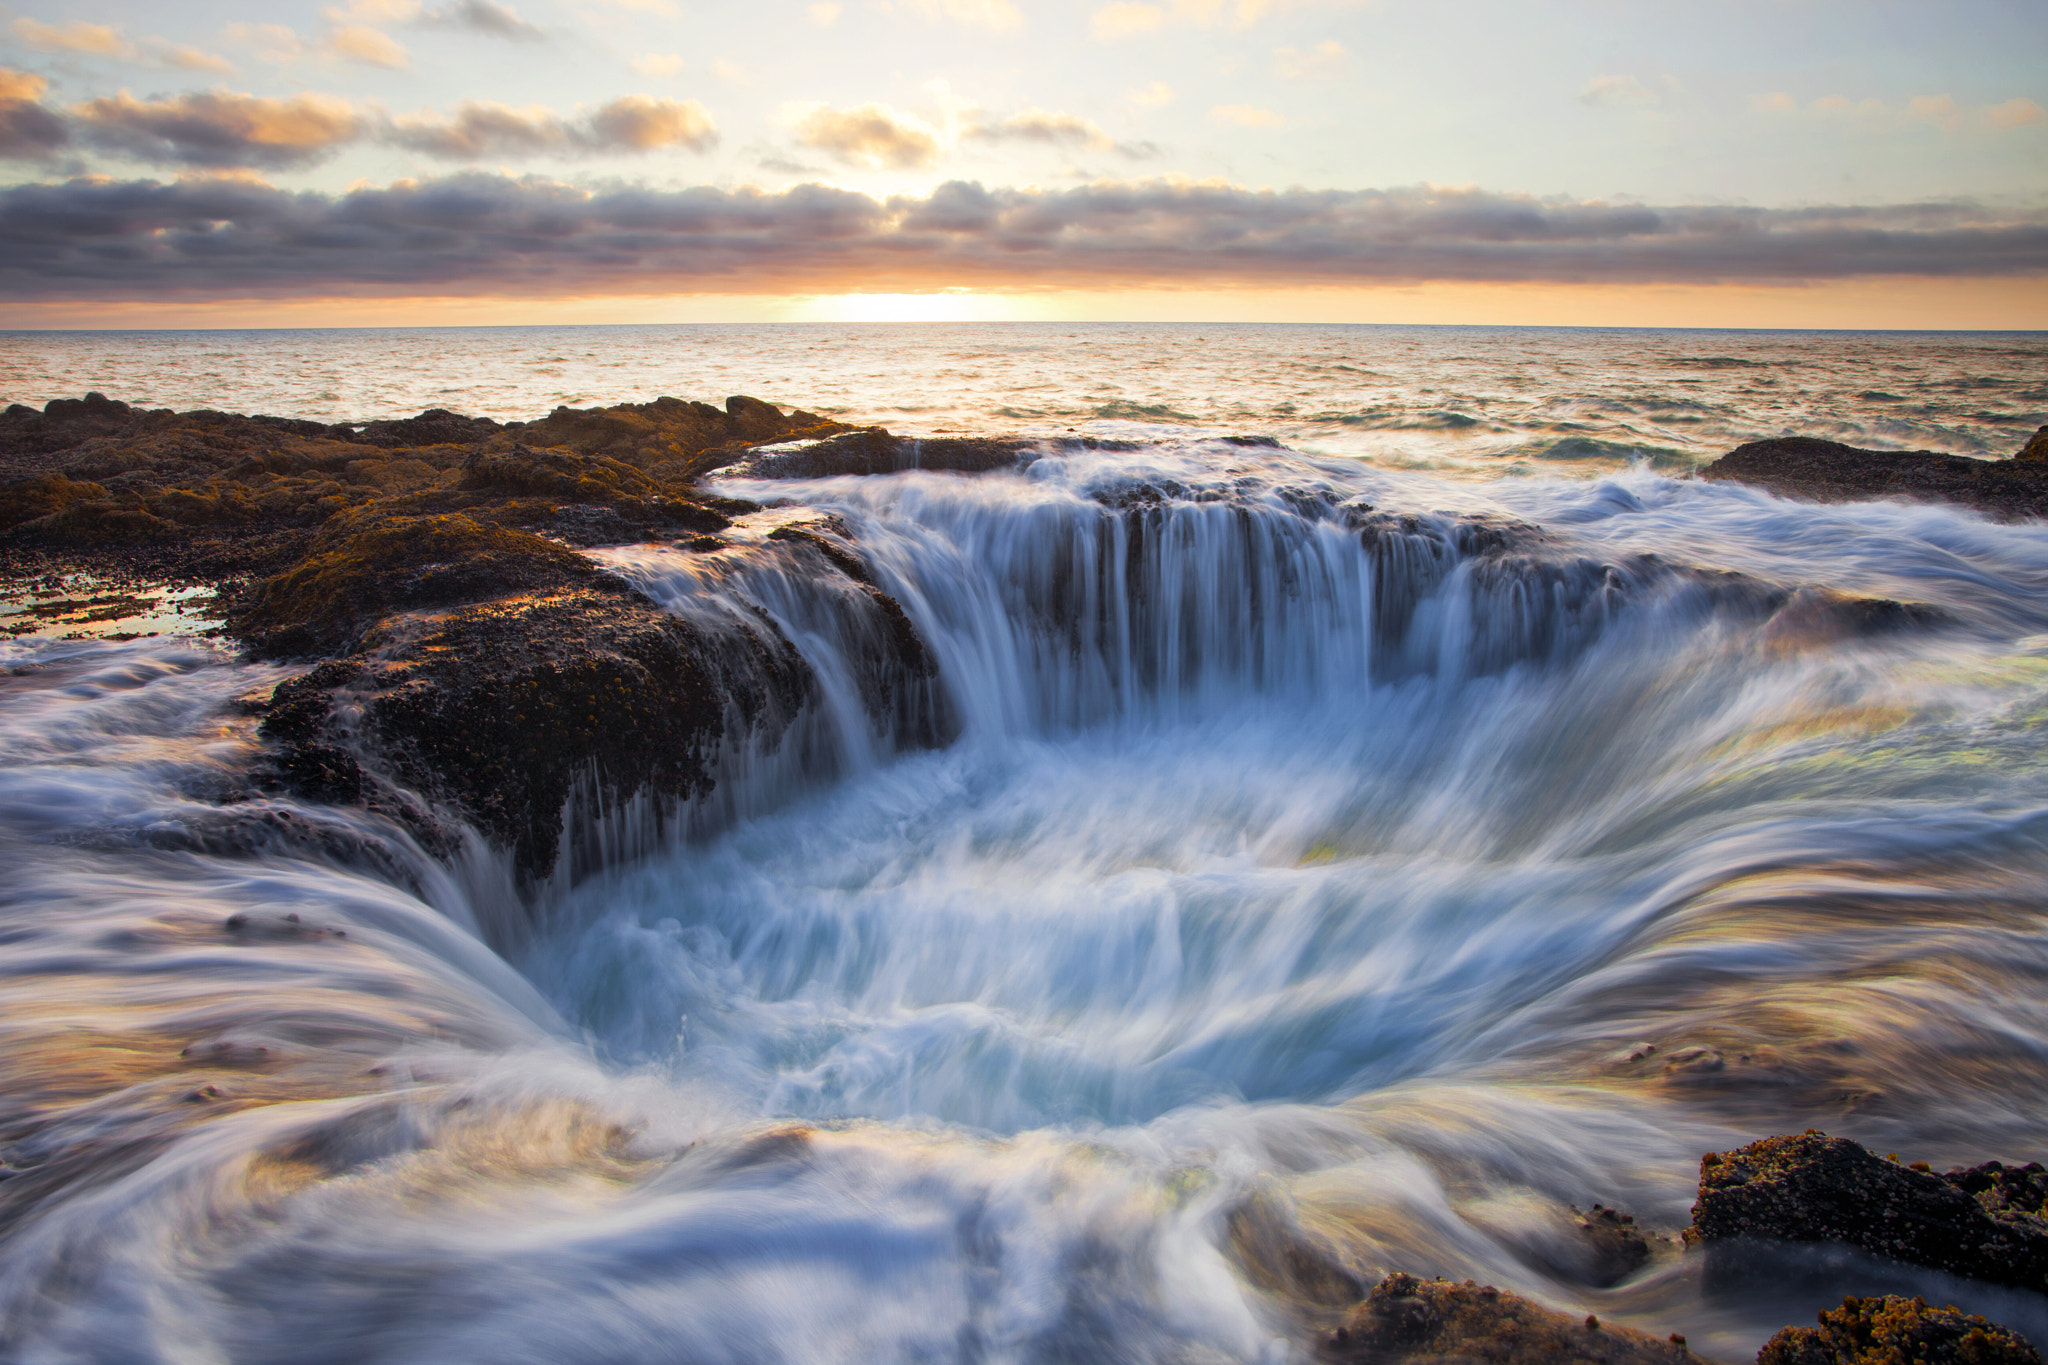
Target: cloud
1246, 116
19, 86
997, 16
272, 42
658, 64
1157, 95
1940, 110
642, 123
28, 131
372, 12
480, 129
483, 16
371, 47
220, 128
476, 233
194, 59
1046, 126
1320, 63
1775, 102
870, 136
2015, 114
825, 13
92, 40
103, 40
1616, 91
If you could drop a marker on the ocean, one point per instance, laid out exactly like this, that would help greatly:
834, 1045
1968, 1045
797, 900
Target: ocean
1301, 872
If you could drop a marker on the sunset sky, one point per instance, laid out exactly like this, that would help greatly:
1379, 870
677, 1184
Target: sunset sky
1659, 162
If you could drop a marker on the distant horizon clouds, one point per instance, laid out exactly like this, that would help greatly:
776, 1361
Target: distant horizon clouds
985, 144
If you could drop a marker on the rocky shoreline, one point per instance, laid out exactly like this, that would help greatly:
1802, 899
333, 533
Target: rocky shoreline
464, 652
1986, 1222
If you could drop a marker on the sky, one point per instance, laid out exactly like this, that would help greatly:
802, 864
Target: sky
1605, 162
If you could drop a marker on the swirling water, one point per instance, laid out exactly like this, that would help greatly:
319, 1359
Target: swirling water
1323, 852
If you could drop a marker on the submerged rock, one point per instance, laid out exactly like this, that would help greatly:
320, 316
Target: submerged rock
1984, 1222
1411, 1319
1618, 1245
1827, 471
1898, 1331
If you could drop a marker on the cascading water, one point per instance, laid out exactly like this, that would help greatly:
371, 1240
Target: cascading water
1260, 857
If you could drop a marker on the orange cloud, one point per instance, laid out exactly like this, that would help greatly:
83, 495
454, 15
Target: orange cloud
2015, 114
20, 85
221, 128
870, 136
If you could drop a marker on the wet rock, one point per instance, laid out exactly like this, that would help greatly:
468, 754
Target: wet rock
874, 450
320, 772
671, 438
1280, 1256
434, 427
62, 424
1619, 1247
1897, 1331
1984, 1222
1827, 471
2036, 449
891, 662
365, 569
1411, 1319
43, 496
501, 708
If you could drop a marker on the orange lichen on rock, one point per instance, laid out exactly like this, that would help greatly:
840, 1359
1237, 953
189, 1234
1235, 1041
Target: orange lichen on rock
1898, 1331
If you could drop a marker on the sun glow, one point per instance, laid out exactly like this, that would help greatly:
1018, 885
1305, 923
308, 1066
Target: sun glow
943, 306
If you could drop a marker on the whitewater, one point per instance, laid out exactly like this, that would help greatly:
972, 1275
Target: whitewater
1360, 846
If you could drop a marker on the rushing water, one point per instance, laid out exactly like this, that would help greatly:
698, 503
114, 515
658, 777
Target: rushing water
1324, 853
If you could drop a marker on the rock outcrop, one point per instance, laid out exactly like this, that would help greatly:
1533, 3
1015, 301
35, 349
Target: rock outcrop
1406, 1319
1827, 471
1898, 1331
1985, 1222
467, 654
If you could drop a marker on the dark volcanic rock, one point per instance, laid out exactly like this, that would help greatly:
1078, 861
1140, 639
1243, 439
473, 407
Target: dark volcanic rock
1826, 471
875, 451
1619, 1247
1984, 1222
503, 707
1410, 1319
434, 427
366, 569
1897, 1331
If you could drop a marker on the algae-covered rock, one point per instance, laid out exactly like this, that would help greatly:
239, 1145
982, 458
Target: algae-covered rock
1810, 1187
690, 437
502, 707
29, 499
2036, 449
1411, 1319
1828, 471
360, 573
1898, 1331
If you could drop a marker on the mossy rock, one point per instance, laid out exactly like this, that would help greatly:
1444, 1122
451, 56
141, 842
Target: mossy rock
359, 574
1898, 1331
42, 496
